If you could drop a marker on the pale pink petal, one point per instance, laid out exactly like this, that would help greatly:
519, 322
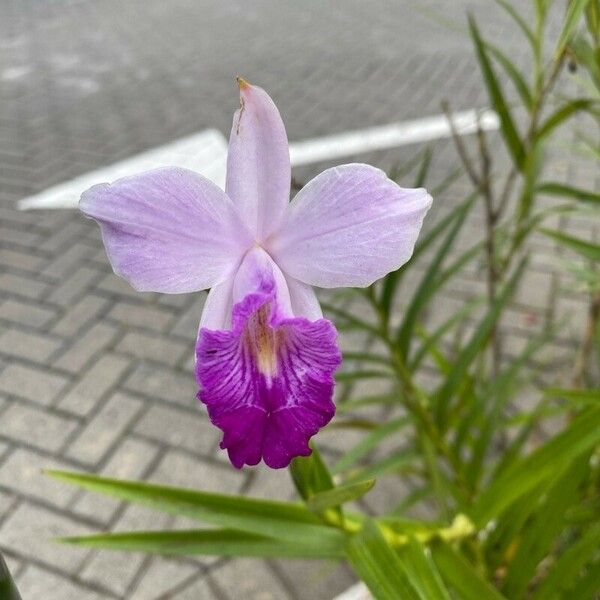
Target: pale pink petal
348, 227
216, 313
258, 163
304, 300
168, 230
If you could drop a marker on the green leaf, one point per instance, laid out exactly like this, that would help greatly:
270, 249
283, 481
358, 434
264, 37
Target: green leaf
545, 524
562, 114
422, 572
378, 565
575, 395
515, 75
582, 247
459, 574
565, 570
520, 21
400, 461
368, 443
431, 281
430, 341
524, 475
339, 495
392, 280
212, 542
507, 125
280, 520
468, 354
574, 13
8, 590
424, 168
310, 474
566, 191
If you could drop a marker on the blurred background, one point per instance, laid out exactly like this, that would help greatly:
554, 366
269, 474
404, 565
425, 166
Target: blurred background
96, 377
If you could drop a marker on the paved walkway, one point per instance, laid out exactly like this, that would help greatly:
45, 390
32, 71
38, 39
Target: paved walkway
94, 376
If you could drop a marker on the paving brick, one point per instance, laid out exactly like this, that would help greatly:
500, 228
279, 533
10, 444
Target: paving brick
181, 470
30, 531
20, 260
86, 346
163, 576
31, 346
22, 473
129, 461
22, 313
159, 382
72, 286
69, 259
40, 583
102, 376
36, 427
22, 286
104, 429
152, 347
37, 385
180, 429
139, 315
79, 314
117, 570
198, 589
249, 579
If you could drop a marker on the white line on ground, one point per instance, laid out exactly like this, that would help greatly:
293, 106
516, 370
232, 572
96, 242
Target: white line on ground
206, 153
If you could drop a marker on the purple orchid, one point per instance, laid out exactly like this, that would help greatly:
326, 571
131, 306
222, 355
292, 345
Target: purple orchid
265, 356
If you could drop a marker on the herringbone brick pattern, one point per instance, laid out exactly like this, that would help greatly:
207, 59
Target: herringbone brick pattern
96, 377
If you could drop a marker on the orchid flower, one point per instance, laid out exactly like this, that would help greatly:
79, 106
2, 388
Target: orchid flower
265, 356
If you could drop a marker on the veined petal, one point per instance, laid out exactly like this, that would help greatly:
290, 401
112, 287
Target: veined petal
267, 382
168, 230
348, 227
258, 163
304, 300
218, 305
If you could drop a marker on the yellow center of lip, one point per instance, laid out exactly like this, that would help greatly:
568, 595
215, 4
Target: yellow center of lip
263, 341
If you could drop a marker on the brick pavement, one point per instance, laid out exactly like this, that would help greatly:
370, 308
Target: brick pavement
94, 376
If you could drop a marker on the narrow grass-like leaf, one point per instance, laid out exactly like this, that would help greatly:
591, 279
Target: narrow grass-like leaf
515, 75
520, 21
507, 125
554, 188
392, 280
280, 520
571, 20
582, 247
459, 574
339, 495
431, 340
212, 542
8, 589
310, 474
468, 354
563, 113
576, 395
546, 523
400, 461
565, 570
378, 565
422, 572
524, 475
368, 443
431, 281
424, 168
